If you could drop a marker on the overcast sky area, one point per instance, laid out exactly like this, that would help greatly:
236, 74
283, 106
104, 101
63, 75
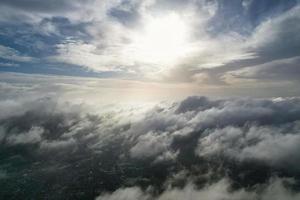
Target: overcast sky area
150, 99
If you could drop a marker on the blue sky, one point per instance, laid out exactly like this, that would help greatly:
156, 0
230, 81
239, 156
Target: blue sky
215, 42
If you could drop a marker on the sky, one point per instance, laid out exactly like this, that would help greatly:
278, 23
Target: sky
150, 99
240, 47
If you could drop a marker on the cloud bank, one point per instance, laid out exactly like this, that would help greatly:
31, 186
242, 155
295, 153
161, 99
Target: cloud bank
235, 148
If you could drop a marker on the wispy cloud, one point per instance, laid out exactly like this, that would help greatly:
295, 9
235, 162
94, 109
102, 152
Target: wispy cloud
11, 54
106, 36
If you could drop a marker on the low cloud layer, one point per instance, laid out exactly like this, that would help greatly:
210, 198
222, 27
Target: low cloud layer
275, 189
235, 148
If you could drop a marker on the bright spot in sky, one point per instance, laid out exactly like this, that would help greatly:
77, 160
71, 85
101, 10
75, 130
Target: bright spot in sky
162, 41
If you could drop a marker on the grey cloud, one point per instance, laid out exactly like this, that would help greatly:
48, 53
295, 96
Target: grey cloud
126, 12
149, 145
274, 44
276, 146
32, 136
13, 55
43, 6
33, 11
196, 104
246, 141
217, 191
281, 70
277, 38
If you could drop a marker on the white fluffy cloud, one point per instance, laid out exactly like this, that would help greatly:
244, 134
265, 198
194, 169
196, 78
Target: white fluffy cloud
268, 144
217, 191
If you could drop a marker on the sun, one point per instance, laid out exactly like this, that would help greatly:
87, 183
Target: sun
162, 40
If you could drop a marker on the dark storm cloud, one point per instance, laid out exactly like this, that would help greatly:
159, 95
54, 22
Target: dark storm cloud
196, 145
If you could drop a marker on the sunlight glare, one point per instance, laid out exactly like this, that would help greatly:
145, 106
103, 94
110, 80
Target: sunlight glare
164, 40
